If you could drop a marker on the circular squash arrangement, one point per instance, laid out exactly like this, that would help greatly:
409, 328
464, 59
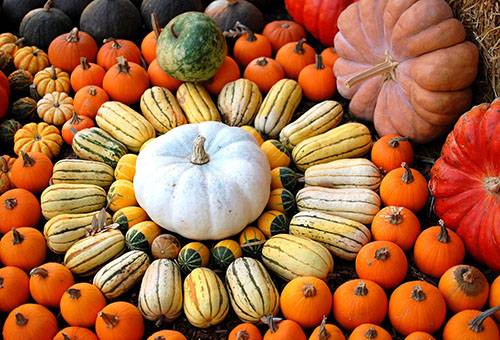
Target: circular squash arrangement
205, 180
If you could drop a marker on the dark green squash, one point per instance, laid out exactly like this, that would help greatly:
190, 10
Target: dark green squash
180, 53
227, 12
40, 26
20, 82
24, 109
104, 19
6, 62
72, 8
193, 255
15, 10
7, 131
166, 10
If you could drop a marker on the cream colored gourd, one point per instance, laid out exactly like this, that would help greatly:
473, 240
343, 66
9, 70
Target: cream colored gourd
239, 102
203, 181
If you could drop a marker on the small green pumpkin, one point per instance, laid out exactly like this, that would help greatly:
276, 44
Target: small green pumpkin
225, 252
20, 82
251, 241
283, 177
193, 255
282, 200
141, 235
6, 62
273, 222
7, 131
24, 109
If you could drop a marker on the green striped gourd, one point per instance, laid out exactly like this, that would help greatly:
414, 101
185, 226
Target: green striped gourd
251, 290
283, 177
225, 252
345, 141
273, 222
129, 216
239, 102
205, 298
124, 124
360, 205
193, 255
291, 256
196, 103
86, 256
62, 231
120, 275
79, 171
343, 237
97, 145
344, 173
161, 109
319, 119
160, 296
61, 199
281, 200
141, 235
278, 107
251, 241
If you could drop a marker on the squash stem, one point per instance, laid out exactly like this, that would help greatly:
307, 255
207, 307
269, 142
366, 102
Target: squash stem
92, 91
65, 336
395, 215
262, 62
74, 293
418, 294
309, 290
53, 73
48, 5
73, 36
299, 47
371, 333
319, 62
10, 203
476, 324
443, 236
21, 320
407, 177
5, 165
386, 67
27, 160
382, 254
84, 63
109, 319
361, 289
199, 155
123, 65
1, 282
394, 142
492, 184
242, 335
42, 272
250, 34
271, 322
155, 25
323, 332
17, 237
75, 119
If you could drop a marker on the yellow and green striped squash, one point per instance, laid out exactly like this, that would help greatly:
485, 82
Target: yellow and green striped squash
281, 200
193, 255
273, 222
251, 241
225, 252
141, 235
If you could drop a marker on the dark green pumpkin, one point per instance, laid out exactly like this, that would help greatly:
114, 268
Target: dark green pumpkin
118, 19
251, 241
225, 252
42, 25
7, 131
282, 200
180, 53
15, 10
166, 10
227, 13
6, 62
193, 255
141, 235
20, 82
72, 8
24, 109
283, 177
273, 222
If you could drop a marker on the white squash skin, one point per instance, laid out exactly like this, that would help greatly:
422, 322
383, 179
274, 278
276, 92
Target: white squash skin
203, 202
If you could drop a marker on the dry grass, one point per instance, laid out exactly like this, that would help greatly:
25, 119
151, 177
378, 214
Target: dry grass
481, 19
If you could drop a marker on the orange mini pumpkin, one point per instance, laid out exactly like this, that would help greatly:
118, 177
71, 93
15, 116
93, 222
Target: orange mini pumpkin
30, 321
250, 45
66, 50
14, 288
75, 333
23, 248
48, 283
494, 299
245, 331
19, 208
126, 81
282, 32
317, 80
119, 320
472, 325
115, 48
356, 302
283, 330
32, 171
227, 72
327, 331
382, 262
158, 77
329, 56
148, 45
88, 100
265, 72
404, 187
464, 287
417, 306
75, 124
437, 249
369, 331
294, 56
81, 303
389, 151
168, 335
86, 74
396, 224
420, 336
306, 300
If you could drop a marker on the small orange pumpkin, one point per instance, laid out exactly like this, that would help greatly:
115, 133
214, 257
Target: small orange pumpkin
66, 50
119, 320
32, 171
306, 300
227, 72
14, 288
250, 45
19, 208
167, 335
30, 321
404, 187
369, 331
327, 331
420, 336
31, 59
75, 124
40, 137
382, 262
329, 56
417, 306
88, 100
294, 56
265, 72
23, 248
356, 302
472, 325
81, 303
389, 151
245, 331
282, 32
158, 77
317, 80
48, 283
51, 79
115, 48
494, 299
283, 329
396, 224
437, 249
75, 333
464, 287
148, 45
126, 81
86, 74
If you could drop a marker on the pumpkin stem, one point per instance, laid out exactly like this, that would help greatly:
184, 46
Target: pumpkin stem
66, 336
21, 320
92, 91
394, 142
35, 52
262, 61
285, 25
19, 41
27, 160
73, 36
371, 333
1, 282
115, 43
247, 30
443, 236
17, 237
42, 272
407, 177
323, 332
476, 324
10, 203
109, 319
492, 184
123, 66
48, 5
309, 290
361, 289
199, 155
74, 293
271, 322
75, 119
242, 335
159, 337
418, 294
299, 47
155, 25
467, 275
53, 73
172, 30
382, 254
385, 68
319, 62
84, 63
395, 215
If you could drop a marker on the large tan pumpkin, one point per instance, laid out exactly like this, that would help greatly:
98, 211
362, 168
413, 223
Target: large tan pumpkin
405, 65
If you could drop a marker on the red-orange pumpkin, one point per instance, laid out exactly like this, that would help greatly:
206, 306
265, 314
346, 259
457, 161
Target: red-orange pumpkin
14, 288
30, 321
251, 45
390, 151
114, 48
75, 333
119, 320
396, 224
281, 32
32, 171
23, 248
75, 124
66, 50
81, 303
126, 81
283, 330
265, 72
48, 283
317, 80
19, 208
295, 56
87, 74
227, 72
158, 77
88, 100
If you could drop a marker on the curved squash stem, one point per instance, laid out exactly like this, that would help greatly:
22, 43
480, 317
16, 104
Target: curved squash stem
467, 275
476, 324
371, 333
27, 160
199, 155
155, 25
74, 293
443, 236
73, 36
84, 63
42, 272
394, 142
48, 5
309, 290
361, 289
323, 332
10, 203
299, 47
418, 294
240, 29
407, 177
174, 33
109, 319
75, 120
395, 215
319, 62
492, 184
21, 320
242, 335
386, 67
17, 237
115, 43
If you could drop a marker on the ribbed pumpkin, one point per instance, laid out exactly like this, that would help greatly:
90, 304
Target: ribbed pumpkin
88, 100
125, 81
250, 45
48, 283
86, 74
30, 321
121, 194
165, 246
115, 48
80, 304
51, 79
39, 137
390, 151
23, 248
14, 288
193, 255
55, 108
294, 56
31, 171
119, 320
282, 32
396, 224
19, 208
472, 325
66, 50
31, 59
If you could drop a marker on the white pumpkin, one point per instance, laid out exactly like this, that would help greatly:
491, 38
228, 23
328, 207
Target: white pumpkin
204, 181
